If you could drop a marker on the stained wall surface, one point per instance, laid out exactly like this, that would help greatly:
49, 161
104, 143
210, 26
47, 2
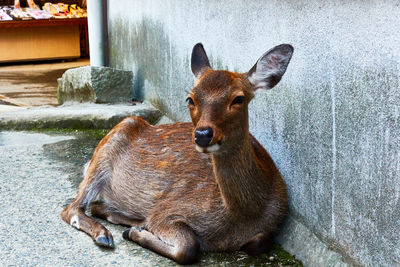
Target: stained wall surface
332, 124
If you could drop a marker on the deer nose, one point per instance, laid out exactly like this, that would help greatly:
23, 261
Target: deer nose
203, 136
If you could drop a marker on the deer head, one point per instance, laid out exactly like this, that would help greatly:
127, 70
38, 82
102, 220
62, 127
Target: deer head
218, 102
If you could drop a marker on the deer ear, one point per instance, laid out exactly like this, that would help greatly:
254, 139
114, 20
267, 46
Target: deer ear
269, 69
199, 61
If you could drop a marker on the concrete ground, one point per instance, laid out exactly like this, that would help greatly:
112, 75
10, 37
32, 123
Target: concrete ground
33, 84
34, 188
39, 176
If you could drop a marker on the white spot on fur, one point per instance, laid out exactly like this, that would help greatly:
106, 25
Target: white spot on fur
85, 168
175, 250
111, 220
129, 120
213, 148
75, 221
200, 149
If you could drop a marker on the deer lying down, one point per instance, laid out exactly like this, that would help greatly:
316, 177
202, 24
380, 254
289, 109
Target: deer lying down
228, 195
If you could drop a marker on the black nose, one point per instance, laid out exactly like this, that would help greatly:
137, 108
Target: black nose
203, 136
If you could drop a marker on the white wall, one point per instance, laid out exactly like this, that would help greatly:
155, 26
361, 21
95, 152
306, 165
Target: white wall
332, 124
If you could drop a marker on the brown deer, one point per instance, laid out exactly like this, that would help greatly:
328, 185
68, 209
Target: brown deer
178, 201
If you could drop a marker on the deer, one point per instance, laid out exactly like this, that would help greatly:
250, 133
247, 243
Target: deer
190, 187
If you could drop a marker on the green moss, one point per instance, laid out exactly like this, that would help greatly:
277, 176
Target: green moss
276, 257
88, 133
284, 258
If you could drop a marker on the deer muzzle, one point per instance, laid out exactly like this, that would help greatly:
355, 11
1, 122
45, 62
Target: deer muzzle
203, 138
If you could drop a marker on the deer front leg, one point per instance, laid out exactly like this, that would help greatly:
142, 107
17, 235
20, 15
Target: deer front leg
74, 213
76, 217
177, 242
258, 244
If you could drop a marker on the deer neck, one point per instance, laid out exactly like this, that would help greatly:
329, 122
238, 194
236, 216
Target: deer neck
243, 184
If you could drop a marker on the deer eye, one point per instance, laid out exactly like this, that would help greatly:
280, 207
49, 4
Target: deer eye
238, 100
190, 102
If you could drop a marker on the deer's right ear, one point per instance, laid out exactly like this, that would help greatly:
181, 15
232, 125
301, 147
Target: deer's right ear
271, 66
199, 61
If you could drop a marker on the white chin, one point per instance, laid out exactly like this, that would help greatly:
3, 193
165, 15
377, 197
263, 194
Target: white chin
213, 148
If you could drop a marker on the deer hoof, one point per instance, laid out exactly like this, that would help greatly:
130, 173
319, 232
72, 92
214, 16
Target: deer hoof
131, 233
104, 241
125, 234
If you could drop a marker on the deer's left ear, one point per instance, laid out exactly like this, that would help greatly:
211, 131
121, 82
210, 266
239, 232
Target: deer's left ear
199, 60
269, 69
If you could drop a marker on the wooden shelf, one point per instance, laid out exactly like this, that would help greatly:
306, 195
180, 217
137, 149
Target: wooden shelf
40, 39
41, 22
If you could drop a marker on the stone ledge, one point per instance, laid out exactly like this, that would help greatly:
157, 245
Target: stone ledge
78, 116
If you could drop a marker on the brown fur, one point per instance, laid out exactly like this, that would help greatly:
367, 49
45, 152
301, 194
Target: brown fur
184, 200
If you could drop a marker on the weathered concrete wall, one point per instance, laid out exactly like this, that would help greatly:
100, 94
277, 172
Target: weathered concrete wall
332, 125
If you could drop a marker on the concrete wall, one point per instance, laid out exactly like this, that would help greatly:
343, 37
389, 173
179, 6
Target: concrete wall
332, 125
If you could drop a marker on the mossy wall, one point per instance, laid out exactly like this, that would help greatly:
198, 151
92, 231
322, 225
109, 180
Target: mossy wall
332, 124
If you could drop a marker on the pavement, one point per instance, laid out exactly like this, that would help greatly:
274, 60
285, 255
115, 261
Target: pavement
39, 176
39, 173
35, 185
35, 84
